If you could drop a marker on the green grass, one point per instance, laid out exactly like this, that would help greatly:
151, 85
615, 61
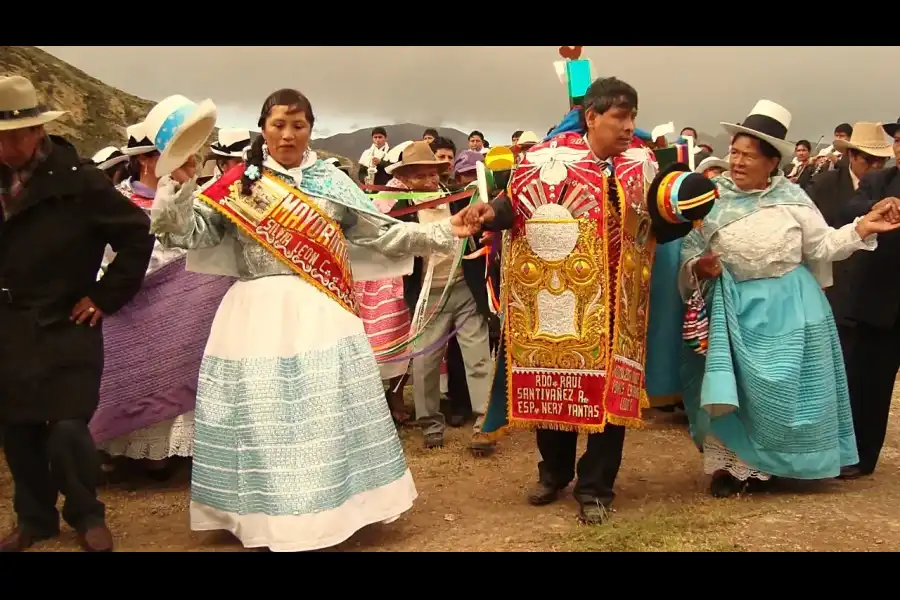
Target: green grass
701, 527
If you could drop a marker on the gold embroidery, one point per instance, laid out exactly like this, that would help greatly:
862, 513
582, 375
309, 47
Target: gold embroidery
557, 309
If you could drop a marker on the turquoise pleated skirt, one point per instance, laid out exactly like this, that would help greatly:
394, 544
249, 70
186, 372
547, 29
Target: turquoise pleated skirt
772, 388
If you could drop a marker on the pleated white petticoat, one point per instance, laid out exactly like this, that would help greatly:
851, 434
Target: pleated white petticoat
295, 447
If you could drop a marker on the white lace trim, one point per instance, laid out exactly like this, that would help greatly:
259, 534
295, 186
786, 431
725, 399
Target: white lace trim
717, 457
157, 442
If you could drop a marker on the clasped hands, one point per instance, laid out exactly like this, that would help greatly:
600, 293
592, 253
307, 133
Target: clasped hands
469, 220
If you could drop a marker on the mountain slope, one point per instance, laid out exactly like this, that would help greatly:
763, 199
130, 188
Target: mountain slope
354, 144
98, 113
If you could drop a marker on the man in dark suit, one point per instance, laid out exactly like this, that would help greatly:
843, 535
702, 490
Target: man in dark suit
864, 152
58, 215
873, 308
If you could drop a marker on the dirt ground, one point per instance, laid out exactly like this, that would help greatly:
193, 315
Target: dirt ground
468, 504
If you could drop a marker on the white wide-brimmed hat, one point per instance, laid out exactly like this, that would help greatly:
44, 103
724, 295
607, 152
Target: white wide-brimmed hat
868, 138
712, 162
137, 143
19, 106
108, 158
393, 155
528, 138
769, 122
231, 143
178, 128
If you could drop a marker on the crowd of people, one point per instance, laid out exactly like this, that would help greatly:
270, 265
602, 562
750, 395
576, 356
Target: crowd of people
261, 310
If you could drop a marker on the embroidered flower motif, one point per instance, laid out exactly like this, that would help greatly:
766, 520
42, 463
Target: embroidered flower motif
252, 172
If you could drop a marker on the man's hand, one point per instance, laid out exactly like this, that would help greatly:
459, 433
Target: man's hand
884, 217
86, 310
708, 266
469, 220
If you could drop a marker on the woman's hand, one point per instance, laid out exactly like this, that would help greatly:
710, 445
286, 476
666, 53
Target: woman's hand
708, 266
884, 217
186, 171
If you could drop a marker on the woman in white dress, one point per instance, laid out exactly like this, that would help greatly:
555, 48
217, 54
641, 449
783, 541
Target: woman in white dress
295, 447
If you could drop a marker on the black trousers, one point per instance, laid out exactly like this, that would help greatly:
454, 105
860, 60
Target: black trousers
457, 386
872, 358
46, 459
597, 468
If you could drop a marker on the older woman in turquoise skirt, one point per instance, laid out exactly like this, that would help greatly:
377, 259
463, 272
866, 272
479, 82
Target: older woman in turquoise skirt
768, 395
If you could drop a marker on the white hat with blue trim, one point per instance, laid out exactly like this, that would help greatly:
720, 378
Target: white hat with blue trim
178, 128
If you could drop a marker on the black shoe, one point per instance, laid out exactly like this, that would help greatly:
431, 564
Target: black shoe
725, 486
456, 420
852, 472
19, 541
542, 494
593, 513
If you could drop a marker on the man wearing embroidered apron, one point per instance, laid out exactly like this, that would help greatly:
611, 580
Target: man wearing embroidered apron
575, 295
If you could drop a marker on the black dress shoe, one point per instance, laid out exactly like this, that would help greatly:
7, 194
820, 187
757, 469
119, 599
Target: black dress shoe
542, 494
851, 472
19, 541
593, 513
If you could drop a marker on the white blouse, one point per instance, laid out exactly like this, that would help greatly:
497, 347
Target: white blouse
775, 240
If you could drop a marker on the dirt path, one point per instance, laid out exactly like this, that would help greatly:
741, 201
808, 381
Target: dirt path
478, 505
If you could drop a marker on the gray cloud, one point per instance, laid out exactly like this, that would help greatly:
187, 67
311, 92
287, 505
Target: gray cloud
507, 88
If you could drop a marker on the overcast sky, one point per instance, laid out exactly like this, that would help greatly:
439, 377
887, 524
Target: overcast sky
498, 89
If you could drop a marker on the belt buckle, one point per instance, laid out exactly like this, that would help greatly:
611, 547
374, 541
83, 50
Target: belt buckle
6, 295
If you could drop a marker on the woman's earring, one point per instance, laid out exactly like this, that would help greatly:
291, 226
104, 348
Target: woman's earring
265, 152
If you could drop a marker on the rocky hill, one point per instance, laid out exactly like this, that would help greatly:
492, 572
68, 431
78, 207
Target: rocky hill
98, 113
353, 144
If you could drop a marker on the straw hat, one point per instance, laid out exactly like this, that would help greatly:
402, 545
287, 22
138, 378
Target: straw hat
138, 143
712, 162
19, 107
178, 129
868, 138
418, 153
769, 122
108, 158
528, 138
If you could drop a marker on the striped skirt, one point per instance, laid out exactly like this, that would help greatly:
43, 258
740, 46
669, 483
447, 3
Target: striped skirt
385, 318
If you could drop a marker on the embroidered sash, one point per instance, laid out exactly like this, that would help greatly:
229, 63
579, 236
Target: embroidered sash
290, 225
576, 290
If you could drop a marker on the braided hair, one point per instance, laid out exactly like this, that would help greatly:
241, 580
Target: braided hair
284, 97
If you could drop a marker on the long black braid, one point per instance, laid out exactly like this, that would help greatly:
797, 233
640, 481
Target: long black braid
284, 97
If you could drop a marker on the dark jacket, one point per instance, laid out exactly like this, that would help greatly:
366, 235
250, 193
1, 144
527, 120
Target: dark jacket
830, 192
473, 269
51, 247
876, 286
